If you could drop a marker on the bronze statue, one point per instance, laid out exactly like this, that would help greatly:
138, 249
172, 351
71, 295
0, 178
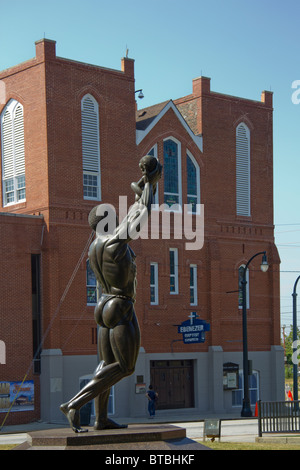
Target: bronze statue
113, 263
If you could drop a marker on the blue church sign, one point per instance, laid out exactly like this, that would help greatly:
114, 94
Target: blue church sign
193, 330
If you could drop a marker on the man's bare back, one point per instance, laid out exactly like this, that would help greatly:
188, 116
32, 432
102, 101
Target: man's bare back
113, 262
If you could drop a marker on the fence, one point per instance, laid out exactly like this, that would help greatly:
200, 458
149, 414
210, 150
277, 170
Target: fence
278, 417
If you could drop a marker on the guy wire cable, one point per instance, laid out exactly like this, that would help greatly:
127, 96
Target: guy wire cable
51, 322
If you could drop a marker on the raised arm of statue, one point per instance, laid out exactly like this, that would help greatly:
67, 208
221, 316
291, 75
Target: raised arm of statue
135, 219
140, 210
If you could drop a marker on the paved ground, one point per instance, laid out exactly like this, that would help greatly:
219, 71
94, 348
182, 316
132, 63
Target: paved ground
236, 430
231, 430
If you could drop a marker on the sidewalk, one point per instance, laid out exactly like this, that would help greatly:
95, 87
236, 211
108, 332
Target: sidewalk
160, 417
233, 427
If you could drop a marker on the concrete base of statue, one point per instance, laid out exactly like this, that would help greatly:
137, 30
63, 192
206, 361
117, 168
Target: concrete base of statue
134, 437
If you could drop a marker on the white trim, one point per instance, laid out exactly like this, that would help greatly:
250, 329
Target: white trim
141, 134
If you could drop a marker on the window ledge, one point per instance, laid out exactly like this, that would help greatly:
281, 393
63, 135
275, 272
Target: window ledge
16, 205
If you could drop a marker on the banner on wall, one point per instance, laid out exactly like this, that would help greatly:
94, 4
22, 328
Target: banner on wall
17, 396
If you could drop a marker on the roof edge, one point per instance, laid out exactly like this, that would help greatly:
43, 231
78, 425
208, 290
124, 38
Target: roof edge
141, 134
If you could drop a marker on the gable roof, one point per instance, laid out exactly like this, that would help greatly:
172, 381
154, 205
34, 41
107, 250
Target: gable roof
147, 118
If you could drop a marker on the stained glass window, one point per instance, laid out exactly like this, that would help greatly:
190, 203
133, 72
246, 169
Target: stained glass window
193, 183
171, 173
192, 192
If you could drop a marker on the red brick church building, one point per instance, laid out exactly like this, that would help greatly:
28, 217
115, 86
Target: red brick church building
72, 137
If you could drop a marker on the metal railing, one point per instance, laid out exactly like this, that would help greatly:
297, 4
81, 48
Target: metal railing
278, 417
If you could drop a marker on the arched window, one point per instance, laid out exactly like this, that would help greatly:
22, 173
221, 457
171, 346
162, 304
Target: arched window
193, 182
13, 153
172, 172
242, 170
90, 148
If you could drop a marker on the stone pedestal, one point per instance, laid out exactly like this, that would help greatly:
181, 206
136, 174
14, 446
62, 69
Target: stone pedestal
135, 437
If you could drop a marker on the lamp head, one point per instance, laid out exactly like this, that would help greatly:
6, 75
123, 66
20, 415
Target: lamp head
140, 93
264, 263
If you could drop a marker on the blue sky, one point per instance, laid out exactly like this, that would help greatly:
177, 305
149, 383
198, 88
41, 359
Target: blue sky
244, 46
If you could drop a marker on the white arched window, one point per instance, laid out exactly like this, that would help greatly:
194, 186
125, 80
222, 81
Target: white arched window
90, 148
13, 153
193, 182
243, 170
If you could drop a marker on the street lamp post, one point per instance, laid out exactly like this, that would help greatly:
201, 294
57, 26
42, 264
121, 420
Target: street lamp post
246, 410
295, 364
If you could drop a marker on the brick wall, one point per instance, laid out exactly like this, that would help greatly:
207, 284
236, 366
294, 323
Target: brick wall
20, 236
50, 89
229, 240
